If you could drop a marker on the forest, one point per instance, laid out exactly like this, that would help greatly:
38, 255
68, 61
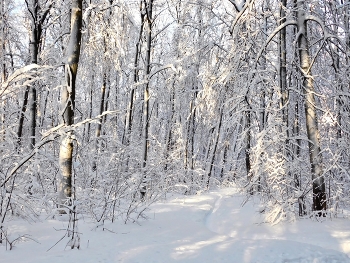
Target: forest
108, 105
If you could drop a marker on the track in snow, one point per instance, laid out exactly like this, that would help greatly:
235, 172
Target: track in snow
302, 241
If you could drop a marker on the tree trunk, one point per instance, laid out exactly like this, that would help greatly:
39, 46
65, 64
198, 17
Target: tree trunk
21, 119
318, 186
169, 139
247, 149
34, 49
296, 151
216, 142
99, 124
68, 101
33, 113
42, 119
3, 68
191, 130
283, 62
102, 104
37, 19
87, 135
130, 109
3, 191
226, 149
346, 25
148, 9
3, 46
106, 103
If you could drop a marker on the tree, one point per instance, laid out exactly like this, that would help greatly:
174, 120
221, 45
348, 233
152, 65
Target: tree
37, 17
68, 101
148, 9
3, 64
318, 184
130, 109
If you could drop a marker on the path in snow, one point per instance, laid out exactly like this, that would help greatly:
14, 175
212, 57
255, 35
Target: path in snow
208, 228
301, 241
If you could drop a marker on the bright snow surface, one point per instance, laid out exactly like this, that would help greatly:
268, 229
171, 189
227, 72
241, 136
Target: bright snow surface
211, 227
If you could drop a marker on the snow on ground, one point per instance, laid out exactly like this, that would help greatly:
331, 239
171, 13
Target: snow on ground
211, 227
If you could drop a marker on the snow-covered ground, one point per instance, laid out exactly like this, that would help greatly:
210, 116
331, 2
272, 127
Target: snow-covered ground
210, 227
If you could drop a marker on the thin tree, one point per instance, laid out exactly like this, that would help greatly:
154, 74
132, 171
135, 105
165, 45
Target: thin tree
130, 109
3, 64
37, 17
283, 61
3, 41
105, 82
148, 7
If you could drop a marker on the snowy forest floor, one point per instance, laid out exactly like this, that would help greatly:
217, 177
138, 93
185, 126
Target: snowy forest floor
212, 227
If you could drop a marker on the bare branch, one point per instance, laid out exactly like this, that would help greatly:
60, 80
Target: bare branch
274, 33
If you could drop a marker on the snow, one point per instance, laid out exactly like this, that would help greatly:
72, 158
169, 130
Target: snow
211, 227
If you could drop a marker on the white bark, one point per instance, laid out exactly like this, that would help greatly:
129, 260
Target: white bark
68, 101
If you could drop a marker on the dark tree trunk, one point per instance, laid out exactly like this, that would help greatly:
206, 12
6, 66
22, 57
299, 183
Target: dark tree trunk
169, 140
130, 109
146, 115
99, 124
21, 119
247, 150
283, 62
213, 154
38, 17
3, 68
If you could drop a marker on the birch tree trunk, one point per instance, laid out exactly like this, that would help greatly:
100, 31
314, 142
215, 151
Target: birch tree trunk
318, 185
68, 101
